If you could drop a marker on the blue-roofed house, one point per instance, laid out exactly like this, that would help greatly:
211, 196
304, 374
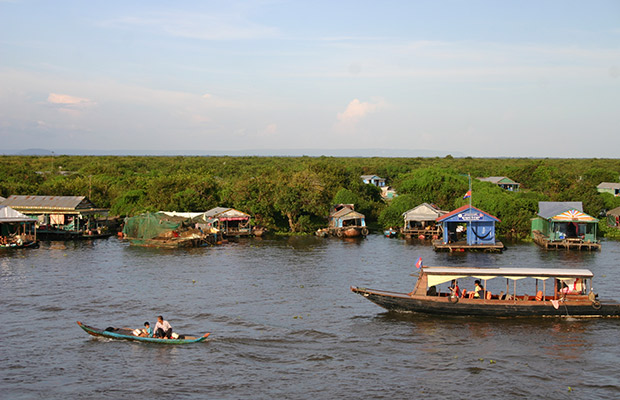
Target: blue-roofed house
468, 228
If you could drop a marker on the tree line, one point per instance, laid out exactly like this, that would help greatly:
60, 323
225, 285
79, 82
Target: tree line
294, 194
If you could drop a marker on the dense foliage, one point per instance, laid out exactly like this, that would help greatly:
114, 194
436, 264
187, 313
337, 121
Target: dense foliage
294, 193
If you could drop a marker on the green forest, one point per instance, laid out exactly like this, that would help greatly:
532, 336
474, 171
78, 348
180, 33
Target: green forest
294, 194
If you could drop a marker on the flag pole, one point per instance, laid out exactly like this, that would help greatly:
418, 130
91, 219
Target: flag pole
470, 193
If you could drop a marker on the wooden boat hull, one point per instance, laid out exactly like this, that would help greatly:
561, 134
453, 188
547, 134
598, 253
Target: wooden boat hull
57, 235
172, 243
346, 232
352, 232
95, 236
403, 302
28, 245
125, 334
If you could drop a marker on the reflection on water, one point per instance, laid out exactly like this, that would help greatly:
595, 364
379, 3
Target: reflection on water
284, 324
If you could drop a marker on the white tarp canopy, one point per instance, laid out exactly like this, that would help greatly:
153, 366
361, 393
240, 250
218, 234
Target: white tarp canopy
438, 275
8, 215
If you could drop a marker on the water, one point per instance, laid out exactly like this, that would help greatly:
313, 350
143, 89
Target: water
285, 325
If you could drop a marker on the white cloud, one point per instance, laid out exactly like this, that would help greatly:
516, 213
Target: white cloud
269, 130
216, 26
69, 105
65, 99
357, 110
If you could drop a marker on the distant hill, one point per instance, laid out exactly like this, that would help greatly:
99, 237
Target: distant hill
35, 152
407, 153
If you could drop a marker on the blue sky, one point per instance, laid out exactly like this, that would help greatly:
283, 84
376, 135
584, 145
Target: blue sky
484, 78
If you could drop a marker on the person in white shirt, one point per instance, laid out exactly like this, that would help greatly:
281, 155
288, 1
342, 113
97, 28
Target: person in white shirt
162, 328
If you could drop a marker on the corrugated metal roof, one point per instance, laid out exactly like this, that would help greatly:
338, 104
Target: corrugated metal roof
346, 211
367, 177
608, 185
463, 208
52, 203
215, 211
615, 211
223, 212
498, 179
549, 209
423, 212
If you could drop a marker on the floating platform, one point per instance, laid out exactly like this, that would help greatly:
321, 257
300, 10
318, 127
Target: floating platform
565, 244
422, 234
439, 245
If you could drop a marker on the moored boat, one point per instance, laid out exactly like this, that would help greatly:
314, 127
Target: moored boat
566, 294
127, 334
30, 244
390, 233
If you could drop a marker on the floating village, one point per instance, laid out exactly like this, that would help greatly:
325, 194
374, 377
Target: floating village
26, 220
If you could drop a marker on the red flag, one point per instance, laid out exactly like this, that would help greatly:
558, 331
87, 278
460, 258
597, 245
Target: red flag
419, 263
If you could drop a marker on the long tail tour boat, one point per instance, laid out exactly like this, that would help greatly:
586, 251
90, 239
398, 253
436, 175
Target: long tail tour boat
558, 293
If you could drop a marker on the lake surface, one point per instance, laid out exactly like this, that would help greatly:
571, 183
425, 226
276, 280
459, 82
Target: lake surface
285, 325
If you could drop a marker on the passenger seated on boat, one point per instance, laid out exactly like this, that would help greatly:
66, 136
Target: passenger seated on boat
432, 291
539, 295
147, 331
464, 293
477, 290
162, 328
501, 296
454, 289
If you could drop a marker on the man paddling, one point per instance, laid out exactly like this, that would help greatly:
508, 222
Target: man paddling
162, 329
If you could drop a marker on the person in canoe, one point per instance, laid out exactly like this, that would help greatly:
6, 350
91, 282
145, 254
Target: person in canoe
147, 331
454, 289
162, 329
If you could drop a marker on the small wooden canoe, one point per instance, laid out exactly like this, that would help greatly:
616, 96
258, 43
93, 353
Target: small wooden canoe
126, 334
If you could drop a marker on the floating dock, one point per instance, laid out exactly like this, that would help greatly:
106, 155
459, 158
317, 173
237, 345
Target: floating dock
422, 234
564, 244
439, 245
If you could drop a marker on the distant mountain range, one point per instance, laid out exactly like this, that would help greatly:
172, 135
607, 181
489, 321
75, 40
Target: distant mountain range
247, 152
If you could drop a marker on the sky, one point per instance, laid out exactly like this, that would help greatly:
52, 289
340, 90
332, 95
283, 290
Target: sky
528, 78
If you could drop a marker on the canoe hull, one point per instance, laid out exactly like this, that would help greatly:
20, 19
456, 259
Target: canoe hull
403, 302
124, 334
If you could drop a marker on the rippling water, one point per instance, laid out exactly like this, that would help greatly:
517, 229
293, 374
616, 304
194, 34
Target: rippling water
285, 325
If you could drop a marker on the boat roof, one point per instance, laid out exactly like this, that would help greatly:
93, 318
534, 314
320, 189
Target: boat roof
482, 272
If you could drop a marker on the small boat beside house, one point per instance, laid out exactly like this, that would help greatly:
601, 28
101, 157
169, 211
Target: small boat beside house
17, 231
564, 225
127, 334
390, 233
345, 222
558, 293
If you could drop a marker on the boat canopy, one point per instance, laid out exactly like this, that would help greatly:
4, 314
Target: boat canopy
438, 275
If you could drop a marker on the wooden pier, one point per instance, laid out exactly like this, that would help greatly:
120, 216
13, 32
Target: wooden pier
564, 244
439, 245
